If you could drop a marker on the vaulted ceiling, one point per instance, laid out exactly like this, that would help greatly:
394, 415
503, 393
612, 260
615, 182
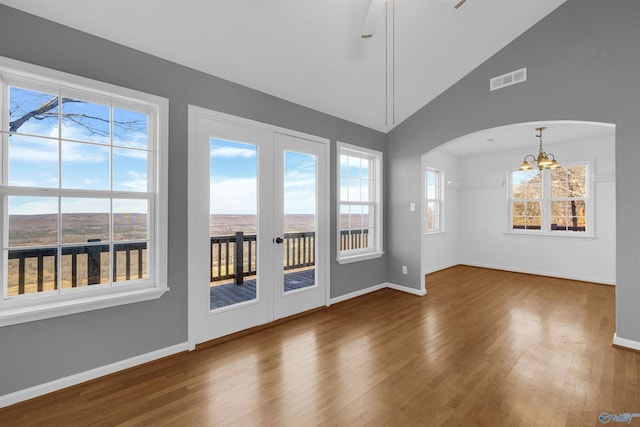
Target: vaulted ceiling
310, 51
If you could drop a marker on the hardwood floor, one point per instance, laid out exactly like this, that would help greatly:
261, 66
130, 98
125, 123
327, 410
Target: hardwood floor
484, 347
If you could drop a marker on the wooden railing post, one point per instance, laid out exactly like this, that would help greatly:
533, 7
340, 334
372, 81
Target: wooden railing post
93, 263
239, 258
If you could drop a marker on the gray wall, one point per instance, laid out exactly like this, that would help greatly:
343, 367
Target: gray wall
583, 63
38, 352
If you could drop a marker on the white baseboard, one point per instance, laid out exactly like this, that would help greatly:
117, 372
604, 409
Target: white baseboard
414, 291
419, 292
540, 273
55, 385
439, 268
356, 293
623, 342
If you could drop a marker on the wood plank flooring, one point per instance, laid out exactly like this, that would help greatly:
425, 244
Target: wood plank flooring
484, 348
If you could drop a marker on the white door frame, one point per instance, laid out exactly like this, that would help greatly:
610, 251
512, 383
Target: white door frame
194, 227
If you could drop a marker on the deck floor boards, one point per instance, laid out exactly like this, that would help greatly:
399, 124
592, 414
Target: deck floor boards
230, 293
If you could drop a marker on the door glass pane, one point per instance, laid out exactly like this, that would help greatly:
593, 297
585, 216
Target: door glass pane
233, 222
300, 219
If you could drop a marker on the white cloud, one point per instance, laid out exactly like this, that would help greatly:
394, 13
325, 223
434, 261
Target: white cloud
300, 201
136, 154
300, 193
232, 152
47, 127
82, 205
233, 196
74, 152
92, 182
26, 149
32, 205
130, 206
79, 133
132, 140
238, 195
31, 150
137, 182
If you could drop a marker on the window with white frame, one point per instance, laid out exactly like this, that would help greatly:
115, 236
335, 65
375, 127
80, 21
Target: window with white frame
552, 201
360, 204
83, 203
433, 200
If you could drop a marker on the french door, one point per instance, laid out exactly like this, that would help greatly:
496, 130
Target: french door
258, 224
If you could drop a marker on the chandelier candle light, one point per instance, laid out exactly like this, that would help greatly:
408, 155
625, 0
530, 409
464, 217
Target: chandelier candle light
543, 160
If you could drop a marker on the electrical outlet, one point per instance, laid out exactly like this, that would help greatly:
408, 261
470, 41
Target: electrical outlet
404, 269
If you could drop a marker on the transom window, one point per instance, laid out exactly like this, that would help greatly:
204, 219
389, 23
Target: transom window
80, 191
551, 201
360, 205
433, 200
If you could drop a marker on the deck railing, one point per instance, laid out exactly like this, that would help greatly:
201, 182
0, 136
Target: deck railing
234, 257
94, 262
228, 259
231, 260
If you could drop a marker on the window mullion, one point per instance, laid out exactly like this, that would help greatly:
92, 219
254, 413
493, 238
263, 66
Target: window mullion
546, 201
58, 261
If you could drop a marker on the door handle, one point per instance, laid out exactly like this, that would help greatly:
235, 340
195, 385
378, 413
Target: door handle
279, 240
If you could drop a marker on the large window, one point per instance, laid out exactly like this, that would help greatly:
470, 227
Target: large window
551, 201
360, 205
433, 201
81, 194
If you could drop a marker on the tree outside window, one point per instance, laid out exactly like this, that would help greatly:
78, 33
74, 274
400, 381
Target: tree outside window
550, 201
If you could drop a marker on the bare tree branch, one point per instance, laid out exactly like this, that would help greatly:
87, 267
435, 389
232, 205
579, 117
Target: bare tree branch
44, 112
39, 113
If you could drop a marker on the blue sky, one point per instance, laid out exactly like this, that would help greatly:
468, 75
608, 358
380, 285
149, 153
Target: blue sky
355, 185
89, 156
233, 179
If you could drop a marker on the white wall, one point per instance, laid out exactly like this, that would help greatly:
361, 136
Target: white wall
440, 250
483, 218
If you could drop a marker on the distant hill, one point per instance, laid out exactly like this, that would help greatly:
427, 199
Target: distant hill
227, 225
31, 230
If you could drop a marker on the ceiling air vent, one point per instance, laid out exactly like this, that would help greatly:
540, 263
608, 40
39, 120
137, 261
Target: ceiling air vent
509, 79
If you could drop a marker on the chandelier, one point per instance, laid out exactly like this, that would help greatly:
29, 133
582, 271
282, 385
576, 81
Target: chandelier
543, 160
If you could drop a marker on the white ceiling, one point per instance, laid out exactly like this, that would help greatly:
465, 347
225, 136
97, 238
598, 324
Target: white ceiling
522, 136
310, 51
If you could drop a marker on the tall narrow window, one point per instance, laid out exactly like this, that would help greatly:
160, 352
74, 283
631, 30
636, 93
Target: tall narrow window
433, 200
81, 199
551, 201
526, 200
360, 206
568, 201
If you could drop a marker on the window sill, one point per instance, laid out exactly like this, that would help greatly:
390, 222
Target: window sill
79, 305
360, 257
550, 235
434, 233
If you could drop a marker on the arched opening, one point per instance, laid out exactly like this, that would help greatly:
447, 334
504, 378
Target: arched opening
477, 224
